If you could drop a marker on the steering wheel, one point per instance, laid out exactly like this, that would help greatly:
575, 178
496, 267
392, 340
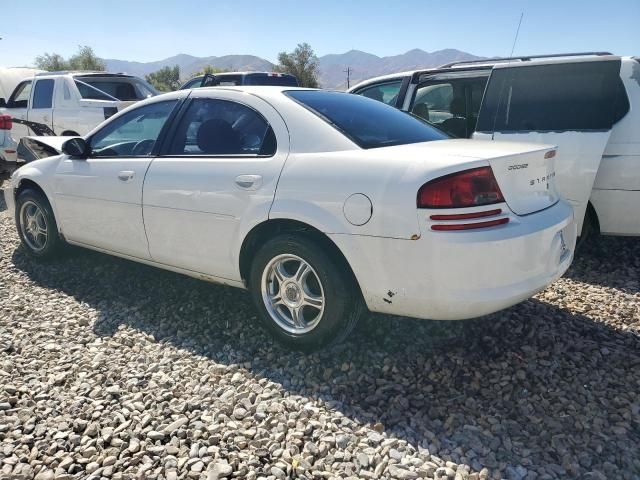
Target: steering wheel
143, 147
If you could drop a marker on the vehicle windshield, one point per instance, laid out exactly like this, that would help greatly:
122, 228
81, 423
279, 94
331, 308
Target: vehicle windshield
266, 79
367, 122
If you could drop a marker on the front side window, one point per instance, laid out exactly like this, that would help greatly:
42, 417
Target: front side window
369, 124
20, 96
134, 133
221, 127
43, 94
384, 92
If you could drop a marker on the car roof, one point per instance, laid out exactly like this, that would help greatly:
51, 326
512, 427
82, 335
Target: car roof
489, 63
79, 73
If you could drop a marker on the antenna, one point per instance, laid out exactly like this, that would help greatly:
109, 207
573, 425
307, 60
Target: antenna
517, 33
513, 47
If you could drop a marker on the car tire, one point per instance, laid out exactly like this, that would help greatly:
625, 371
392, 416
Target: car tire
304, 308
36, 224
589, 229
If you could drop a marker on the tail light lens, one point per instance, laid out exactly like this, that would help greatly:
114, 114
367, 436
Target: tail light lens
469, 188
6, 123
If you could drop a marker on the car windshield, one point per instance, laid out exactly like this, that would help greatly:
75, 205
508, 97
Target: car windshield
367, 122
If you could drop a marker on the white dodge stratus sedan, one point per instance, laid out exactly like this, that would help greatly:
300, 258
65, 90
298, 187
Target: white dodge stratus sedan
320, 203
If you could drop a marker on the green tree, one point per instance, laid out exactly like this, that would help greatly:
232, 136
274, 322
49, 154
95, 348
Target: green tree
209, 69
302, 63
51, 62
85, 59
167, 79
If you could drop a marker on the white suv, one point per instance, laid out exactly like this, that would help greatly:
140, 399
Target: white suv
586, 104
70, 103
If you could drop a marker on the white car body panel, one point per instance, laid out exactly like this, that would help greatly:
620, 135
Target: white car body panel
579, 155
597, 167
84, 187
196, 217
190, 199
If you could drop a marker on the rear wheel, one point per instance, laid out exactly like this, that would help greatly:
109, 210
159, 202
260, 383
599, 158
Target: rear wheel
36, 224
305, 298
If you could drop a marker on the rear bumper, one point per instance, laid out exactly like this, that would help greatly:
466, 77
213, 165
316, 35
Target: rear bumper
465, 274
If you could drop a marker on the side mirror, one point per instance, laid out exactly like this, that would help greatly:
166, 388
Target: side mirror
76, 147
3, 103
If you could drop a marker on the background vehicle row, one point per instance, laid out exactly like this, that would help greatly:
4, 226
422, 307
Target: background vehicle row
586, 104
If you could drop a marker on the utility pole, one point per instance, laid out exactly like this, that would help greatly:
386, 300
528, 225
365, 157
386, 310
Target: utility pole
348, 72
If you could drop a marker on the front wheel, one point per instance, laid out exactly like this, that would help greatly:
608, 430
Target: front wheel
304, 295
36, 224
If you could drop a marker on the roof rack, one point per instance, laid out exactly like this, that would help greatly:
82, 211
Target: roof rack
79, 72
524, 58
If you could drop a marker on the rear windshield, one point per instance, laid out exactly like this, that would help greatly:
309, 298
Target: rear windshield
125, 89
367, 122
264, 79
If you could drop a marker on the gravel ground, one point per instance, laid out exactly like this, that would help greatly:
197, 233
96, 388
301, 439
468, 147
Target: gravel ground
116, 370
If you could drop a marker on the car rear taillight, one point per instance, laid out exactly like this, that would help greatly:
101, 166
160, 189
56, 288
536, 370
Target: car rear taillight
6, 122
469, 188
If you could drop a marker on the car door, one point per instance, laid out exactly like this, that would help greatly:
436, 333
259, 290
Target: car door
99, 198
17, 107
41, 111
214, 181
572, 104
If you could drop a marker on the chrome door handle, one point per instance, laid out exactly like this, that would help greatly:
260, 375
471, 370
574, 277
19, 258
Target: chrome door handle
126, 175
249, 182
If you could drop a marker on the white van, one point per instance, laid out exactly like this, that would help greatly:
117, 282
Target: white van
9, 78
587, 104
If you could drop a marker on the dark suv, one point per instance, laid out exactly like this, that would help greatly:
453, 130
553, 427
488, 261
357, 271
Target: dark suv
242, 78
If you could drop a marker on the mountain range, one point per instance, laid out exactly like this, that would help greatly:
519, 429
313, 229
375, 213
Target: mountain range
332, 67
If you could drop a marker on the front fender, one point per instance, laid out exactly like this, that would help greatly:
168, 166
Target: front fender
39, 172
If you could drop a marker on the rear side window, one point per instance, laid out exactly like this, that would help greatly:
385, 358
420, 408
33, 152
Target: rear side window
383, 92
368, 123
89, 92
559, 97
43, 94
222, 127
122, 90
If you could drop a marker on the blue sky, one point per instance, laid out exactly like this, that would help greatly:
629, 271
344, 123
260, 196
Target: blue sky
145, 30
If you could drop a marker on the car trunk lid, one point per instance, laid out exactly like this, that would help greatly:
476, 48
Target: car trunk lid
525, 172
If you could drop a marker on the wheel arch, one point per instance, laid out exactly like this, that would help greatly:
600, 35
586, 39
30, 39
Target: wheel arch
593, 214
270, 228
26, 183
